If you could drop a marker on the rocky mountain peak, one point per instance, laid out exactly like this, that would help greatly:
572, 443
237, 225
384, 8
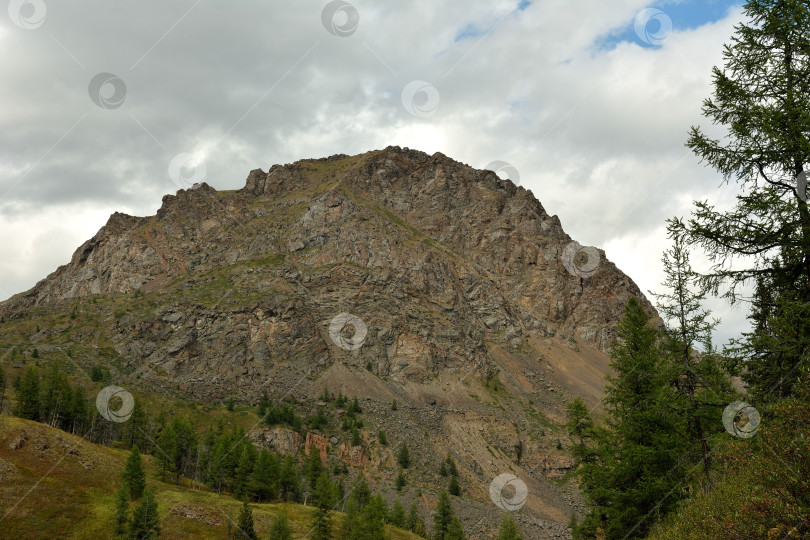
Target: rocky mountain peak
439, 260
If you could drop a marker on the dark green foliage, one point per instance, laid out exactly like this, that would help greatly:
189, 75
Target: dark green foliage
365, 514
264, 403
580, 425
413, 516
760, 95
229, 404
96, 374
451, 465
340, 401
175, 448
325, 394
508, 529
2, 388
35, 353
400, 481
443, 468
696, 377
283, 414
319, 421
133, 475
289, 484
454, 530
762, 483
354, 407
403, 456
633, 468
394, 405
313, 466
397, 516
323, 498
265, 477
280, 529
244, 472
454, 488
350, 528
382, 438
356, 440
121, 511
28, 395
145, 521
443, 518
245, 528
361, 492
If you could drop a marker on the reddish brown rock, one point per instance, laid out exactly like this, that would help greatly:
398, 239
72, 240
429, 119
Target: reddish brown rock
320, 442
352, 455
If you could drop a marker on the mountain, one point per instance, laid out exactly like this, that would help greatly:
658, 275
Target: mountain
390, 275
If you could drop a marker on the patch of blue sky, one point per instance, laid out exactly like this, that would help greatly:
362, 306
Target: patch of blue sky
674, 16
471, 31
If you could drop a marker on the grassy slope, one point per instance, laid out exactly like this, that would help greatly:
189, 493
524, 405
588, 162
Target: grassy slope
61, 486
762, 489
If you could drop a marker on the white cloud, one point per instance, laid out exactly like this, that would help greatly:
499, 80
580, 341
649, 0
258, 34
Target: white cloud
597, 135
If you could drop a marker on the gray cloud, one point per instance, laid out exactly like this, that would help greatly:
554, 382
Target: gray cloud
596, 134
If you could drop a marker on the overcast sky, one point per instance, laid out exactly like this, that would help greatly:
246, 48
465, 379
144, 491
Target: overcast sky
107, 107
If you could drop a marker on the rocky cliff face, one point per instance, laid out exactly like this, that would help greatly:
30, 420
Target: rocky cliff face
434, 257
388, 275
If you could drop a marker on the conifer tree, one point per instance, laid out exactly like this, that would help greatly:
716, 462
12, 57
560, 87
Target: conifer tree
28, 404
145, 521
350, 528
2, 389
413, 517
373, 519
443, 517
400, 481
397, 517
313, 466
403, 456
245, 529
288, 479
133, 475
637, 463
454, 530
323, 498
697, 377
265, 477
244, 470
508, 529
264, 403
760, 95
362, 492
454, 488
280, 529
451, 465
121, 510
